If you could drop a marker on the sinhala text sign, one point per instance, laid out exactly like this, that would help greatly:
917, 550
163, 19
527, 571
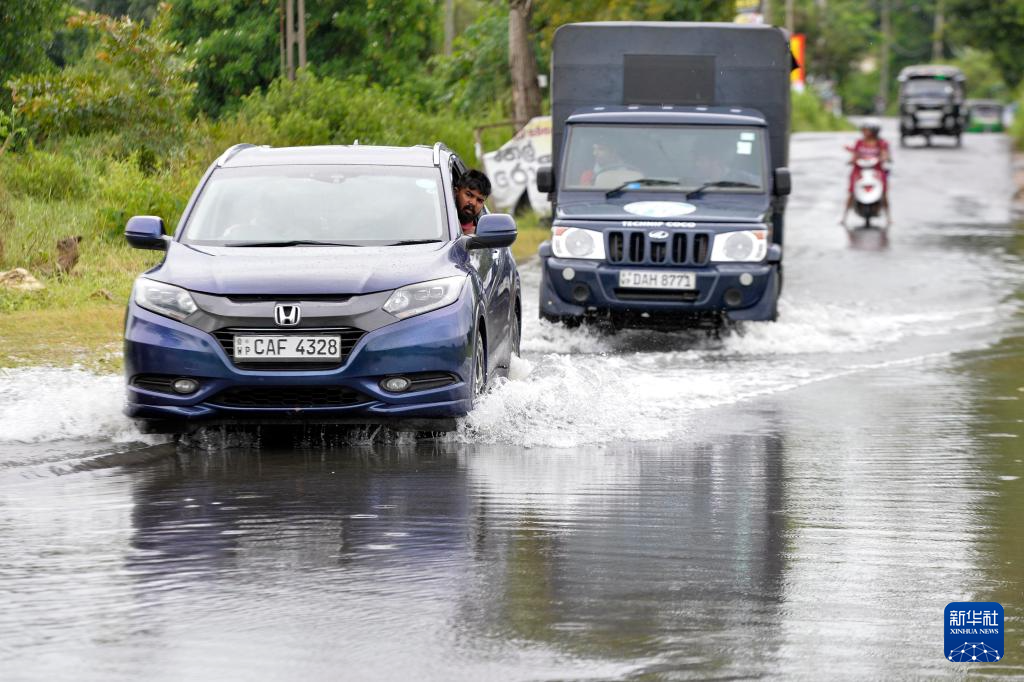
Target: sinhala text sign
513, 167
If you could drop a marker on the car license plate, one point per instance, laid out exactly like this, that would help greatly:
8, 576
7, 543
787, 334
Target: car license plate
265, 347
655, 279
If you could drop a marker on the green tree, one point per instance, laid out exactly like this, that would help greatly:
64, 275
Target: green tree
26, 29
839, 34
236, 43
997, 27
133, 82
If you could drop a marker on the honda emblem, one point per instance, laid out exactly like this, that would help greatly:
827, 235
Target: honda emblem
287, 315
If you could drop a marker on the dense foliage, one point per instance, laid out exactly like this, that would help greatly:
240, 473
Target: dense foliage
133, 81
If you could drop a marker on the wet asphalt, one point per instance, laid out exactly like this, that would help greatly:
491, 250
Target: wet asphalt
794, 501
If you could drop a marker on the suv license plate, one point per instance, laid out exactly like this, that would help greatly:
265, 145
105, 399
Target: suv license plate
259, 347
655, 279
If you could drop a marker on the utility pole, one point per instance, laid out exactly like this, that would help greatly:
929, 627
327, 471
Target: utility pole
294, 36
449, 26
938, 30
882, 101
766, 11
790, 21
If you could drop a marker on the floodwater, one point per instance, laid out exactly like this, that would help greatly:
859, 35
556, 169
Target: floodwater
796, 501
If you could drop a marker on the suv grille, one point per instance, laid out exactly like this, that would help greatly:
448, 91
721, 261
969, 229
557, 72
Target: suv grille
681, 248
288, 397
349, 338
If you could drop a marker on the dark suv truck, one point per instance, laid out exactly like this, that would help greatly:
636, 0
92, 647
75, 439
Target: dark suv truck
670, 143
932, 102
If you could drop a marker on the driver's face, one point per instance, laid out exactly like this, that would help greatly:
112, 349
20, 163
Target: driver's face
469, 202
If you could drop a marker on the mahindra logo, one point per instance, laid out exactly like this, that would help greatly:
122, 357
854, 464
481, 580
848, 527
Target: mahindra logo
287, 315
658, 234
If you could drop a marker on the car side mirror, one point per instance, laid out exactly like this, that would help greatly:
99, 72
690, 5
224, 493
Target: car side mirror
494, 231
782, 183
545, 179
146, 232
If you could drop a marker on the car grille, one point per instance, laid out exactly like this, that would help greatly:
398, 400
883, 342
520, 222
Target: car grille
288, 397
681, 248
349, 338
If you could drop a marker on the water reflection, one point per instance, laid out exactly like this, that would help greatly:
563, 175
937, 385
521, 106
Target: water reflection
591, 562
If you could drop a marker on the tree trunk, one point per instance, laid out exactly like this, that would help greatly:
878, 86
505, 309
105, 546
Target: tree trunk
882, 100
938, 32
523, 64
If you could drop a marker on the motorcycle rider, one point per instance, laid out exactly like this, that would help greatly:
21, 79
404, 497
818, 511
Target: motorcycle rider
870, 146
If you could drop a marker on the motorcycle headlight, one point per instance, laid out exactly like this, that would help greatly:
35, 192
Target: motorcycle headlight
417, 299
743, 246
164, 299
573, 242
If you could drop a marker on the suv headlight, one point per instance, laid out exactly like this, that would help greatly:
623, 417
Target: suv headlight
743, 246
164, 299
417, 299
573, 242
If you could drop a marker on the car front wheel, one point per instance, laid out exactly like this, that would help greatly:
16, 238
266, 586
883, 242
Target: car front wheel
479, 367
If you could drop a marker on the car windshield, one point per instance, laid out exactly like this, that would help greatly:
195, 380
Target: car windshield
664, 158
928, 87
304, 205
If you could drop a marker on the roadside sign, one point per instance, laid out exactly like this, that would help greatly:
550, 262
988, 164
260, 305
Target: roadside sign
512, 168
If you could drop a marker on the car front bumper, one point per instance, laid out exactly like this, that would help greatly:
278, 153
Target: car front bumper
438, 342
593, 291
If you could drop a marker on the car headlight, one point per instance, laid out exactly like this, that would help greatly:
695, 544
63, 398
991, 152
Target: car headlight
744, 246
573, 242
417, 299
164, 299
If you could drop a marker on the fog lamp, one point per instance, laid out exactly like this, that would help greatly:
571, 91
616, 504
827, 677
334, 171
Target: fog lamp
580, 293
733, 297
395, 384
185, 386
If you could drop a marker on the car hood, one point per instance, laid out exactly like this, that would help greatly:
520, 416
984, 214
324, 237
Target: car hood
303, 270
716, 208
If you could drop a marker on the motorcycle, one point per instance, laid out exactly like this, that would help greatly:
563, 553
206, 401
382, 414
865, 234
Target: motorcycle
868, 189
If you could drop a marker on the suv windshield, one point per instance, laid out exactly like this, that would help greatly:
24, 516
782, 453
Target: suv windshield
928, 87
351, 205
664, 158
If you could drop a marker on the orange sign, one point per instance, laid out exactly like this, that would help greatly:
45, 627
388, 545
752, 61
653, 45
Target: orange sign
797, 44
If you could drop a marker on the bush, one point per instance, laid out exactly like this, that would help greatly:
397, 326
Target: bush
133, 82
809, 114
45, 176
125, 191
315, 110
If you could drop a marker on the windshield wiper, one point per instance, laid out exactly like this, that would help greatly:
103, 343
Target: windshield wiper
294, 242
404, 242
637, 184
718, 183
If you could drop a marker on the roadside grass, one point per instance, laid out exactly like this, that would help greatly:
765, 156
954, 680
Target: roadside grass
88, 336
533, 229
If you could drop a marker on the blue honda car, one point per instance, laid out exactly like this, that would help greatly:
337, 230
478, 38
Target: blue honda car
321, 285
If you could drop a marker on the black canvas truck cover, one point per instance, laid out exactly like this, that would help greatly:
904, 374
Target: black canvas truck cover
672, 63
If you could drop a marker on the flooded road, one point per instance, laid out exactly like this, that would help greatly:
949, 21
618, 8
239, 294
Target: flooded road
798, 501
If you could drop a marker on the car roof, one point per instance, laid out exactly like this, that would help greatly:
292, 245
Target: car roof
354, 154
931, 71
638, 113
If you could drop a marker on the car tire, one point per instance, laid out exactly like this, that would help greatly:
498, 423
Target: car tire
479, 366
517, 336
